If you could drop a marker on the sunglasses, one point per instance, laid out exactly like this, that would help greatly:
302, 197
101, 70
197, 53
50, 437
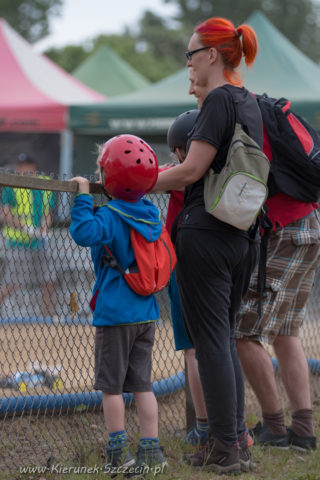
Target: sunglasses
189, 53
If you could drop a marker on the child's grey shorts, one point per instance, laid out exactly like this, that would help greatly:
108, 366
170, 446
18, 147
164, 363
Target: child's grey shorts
123, 358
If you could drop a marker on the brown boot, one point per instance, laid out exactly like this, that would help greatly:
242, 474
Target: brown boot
247, 462
216, 456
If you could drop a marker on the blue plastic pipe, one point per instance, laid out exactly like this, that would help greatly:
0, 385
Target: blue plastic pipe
314, 365
67, 401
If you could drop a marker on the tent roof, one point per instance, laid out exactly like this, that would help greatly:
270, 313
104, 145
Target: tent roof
149, 110
107, 73
280, 70
34, 92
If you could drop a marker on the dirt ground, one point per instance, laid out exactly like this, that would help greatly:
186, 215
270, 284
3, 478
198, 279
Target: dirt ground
69, 349
46, 436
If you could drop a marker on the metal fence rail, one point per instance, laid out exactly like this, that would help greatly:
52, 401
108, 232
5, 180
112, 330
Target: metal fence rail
48, 408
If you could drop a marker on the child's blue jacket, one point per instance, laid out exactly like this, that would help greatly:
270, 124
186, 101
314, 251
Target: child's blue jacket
113, 302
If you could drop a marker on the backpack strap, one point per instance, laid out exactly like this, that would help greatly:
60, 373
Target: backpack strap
110, 261
234, 100
266, 224
236, 109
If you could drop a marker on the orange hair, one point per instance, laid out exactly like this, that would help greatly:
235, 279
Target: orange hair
221, 34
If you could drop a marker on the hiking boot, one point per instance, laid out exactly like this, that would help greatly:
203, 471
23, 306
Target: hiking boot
216, 456
194, 437
302, 444
247, 462
119, 462
149, 459
263, 436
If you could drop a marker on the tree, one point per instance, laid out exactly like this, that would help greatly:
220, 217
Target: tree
162, 41
30, 17
298, 20
68, 58
140, 54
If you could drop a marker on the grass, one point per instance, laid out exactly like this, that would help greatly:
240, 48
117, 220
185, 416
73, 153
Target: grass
272, 464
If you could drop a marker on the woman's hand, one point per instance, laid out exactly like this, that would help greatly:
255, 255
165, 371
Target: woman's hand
200, 156
83, 183
164, 167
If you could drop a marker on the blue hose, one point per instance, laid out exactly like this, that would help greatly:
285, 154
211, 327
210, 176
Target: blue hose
314, 365
22, 404
67, 401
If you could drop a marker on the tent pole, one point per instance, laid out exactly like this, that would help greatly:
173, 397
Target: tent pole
66, 140
65, 168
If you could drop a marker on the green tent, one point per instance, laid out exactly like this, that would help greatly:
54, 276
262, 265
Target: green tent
107, 73
280, 70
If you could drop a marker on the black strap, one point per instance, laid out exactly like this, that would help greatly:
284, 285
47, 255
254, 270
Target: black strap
110, 261
266, 224
174, 228
236, 107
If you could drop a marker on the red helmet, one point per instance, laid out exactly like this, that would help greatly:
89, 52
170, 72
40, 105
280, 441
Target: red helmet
130, 166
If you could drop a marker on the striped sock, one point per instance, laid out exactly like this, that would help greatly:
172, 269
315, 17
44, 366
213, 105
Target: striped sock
117, 439
202, 424
149, 442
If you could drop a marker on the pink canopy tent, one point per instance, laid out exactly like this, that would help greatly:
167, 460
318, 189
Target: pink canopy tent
34, 92
35, 95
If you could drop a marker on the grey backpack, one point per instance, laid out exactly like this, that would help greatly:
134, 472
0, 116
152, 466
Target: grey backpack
237, 194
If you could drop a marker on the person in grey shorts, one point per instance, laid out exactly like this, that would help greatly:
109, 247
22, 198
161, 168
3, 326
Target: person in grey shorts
124, 320
292, 259
27, 216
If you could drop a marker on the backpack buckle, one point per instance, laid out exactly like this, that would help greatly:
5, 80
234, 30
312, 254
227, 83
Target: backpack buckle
108, 261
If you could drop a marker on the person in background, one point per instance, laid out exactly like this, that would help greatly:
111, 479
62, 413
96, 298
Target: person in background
124, 320
177, 138
27, 216
215, 259
293, 257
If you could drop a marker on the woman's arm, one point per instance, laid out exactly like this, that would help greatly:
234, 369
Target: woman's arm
200, 156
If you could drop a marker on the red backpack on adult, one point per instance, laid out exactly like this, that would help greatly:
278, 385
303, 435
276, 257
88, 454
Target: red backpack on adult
295, 145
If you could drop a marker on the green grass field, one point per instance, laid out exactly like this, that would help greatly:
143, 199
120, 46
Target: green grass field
272, 464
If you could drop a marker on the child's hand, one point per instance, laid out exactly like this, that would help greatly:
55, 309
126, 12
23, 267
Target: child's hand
83, 183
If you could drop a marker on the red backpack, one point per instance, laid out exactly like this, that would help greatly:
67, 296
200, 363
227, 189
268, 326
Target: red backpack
295, 146
154, 263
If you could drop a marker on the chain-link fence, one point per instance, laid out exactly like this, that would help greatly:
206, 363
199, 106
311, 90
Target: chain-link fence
48, 408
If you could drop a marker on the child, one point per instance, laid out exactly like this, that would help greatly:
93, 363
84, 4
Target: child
124, 321
177, 139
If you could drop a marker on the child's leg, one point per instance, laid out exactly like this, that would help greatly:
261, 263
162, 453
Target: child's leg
149, 452
147, 408
113, 411
199, 433
195, 383
117, 452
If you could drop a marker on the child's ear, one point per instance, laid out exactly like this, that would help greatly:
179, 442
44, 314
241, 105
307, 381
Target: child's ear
181, 154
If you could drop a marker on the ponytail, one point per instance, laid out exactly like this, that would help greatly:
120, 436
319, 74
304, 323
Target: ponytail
249, 43
221, 34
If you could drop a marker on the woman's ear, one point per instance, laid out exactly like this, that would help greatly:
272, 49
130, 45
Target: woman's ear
213, 54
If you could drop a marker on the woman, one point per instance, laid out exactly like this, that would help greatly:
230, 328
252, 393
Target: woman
215, 260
